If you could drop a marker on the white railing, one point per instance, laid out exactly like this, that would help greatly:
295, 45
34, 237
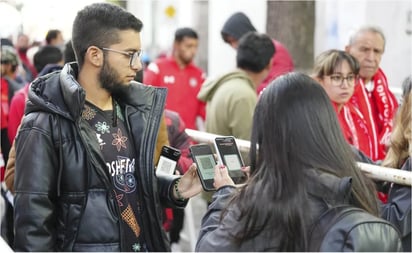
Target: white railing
373, 171
397, 91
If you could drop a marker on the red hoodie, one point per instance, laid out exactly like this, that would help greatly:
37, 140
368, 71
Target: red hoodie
282, 63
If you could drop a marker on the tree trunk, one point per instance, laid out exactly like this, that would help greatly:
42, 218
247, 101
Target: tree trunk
293, 24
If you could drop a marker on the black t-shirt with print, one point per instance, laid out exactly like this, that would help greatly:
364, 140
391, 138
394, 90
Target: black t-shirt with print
118, 153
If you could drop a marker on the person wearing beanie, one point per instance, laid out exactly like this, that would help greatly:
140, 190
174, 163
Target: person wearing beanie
238, 25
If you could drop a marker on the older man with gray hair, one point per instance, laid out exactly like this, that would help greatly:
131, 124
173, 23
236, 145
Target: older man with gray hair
372, 95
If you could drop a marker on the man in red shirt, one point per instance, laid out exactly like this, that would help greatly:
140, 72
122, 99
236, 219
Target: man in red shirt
182, 78
372, 95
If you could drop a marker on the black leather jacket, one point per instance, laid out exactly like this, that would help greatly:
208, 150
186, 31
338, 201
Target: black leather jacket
64, 198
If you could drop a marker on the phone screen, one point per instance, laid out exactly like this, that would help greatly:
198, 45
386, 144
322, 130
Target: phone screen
229, 155
203, 156
206, 165
168, 160
232, 162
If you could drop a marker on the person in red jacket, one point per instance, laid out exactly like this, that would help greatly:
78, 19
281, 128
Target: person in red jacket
372, 95
238, 25
174, 217
336, 71
8, 87
181, 76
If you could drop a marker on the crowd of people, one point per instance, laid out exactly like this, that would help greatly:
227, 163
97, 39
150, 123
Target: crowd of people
83, 122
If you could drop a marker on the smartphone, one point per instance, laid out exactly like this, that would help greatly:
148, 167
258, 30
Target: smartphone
228, 154
169, 157
205, 161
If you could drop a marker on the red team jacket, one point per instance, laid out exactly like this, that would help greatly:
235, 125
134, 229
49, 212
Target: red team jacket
183, 86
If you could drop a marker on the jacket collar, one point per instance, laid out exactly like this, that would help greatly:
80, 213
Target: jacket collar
66, 97
332, 189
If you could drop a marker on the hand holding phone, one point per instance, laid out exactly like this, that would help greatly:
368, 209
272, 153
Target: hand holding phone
229, 155
204, 158
168, 160
222, 177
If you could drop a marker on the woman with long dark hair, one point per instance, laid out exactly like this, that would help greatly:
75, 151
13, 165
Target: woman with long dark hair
300, 165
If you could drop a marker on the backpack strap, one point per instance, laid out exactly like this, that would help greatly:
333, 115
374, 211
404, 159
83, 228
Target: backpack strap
321, 226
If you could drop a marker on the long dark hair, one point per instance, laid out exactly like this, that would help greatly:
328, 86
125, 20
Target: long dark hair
294, 128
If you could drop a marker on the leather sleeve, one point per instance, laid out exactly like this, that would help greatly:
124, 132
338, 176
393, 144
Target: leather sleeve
35, 186
165, 187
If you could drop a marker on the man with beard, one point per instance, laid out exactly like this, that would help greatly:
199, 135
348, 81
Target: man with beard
182, 78
84, 177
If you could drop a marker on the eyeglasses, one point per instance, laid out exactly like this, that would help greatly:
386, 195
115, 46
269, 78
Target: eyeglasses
134, 57
337, 80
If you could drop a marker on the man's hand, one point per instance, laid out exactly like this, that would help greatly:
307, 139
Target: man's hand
189, 184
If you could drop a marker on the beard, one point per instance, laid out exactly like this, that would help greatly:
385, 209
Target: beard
110, 81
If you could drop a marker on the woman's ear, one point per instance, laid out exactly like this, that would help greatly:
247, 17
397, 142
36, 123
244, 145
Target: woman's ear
316, 78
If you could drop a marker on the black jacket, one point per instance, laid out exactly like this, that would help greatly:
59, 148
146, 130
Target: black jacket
324, 190
398, 208
64, 197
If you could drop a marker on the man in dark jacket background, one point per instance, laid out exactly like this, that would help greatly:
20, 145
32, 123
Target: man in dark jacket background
238, 25
84, 177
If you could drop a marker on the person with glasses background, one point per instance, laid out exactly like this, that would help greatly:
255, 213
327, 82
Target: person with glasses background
300, 166
85, 176
337, 71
